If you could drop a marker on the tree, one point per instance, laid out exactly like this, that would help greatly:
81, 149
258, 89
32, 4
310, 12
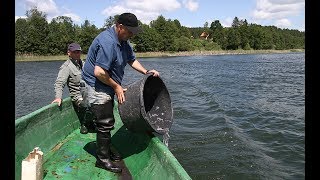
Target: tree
109, 22
148, 41
215, 25
21, 40
86, 33
177, 23
168, 32
233, 39
206, 25
235, 22
35, 36
184, 31
244, 36
183, 44
61, 33
54, 39
37, 32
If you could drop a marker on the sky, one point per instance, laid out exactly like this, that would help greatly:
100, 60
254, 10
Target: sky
288, 14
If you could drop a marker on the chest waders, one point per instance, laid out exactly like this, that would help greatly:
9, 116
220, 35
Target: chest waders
104, 123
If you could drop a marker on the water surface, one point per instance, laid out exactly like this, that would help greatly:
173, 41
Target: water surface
235, 116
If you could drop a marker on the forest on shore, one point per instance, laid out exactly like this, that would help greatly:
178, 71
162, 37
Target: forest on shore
35, 36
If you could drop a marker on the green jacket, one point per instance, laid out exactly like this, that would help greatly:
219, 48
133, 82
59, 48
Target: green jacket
70, 74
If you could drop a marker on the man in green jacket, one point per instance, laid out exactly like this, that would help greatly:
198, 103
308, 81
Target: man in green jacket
70, 75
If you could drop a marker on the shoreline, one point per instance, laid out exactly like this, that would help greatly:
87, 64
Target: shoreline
26, 58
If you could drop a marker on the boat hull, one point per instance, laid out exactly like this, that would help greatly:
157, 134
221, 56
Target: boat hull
69, 154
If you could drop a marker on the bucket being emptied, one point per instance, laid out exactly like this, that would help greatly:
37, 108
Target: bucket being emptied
147, 107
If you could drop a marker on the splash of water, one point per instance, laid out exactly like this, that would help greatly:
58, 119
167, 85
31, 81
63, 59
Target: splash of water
166, 137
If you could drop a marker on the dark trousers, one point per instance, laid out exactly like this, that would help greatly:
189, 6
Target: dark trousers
84, 114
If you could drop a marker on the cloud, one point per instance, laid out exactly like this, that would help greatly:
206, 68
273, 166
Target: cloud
191, 5
302, 26
50, 8
22, 17
47, 6
144, 16
73, 16
154, 5
227, 22
283, 23
147, 10
278, 12
277, 9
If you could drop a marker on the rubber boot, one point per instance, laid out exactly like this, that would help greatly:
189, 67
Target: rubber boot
104, 124
83, 129
80, 111
103, 153
89, 121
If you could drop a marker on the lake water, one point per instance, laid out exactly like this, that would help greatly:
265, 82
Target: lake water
235, 116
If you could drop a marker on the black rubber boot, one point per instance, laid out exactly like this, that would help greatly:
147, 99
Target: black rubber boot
103, 153
104, 123
89, 119
83, 129
81, 112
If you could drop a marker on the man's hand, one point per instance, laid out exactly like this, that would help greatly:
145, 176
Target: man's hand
154, 72
57, 100
120, 94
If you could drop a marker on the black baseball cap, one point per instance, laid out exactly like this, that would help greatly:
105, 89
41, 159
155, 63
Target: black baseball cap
74, 47
130, 21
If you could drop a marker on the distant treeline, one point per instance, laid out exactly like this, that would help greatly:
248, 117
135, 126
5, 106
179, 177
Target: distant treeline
35, 36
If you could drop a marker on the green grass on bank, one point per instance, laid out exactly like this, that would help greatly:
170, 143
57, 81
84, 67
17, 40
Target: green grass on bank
23, 58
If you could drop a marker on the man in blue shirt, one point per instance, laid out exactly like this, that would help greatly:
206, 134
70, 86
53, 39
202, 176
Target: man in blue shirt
103, 71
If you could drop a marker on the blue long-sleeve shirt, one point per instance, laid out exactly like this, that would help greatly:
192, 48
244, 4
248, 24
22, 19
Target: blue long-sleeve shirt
107, 52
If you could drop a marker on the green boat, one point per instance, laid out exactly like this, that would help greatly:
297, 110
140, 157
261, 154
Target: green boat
67, 154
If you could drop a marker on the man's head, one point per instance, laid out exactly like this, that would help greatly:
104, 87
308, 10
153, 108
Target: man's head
74, 47
130, 21
74, 51
127, 24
